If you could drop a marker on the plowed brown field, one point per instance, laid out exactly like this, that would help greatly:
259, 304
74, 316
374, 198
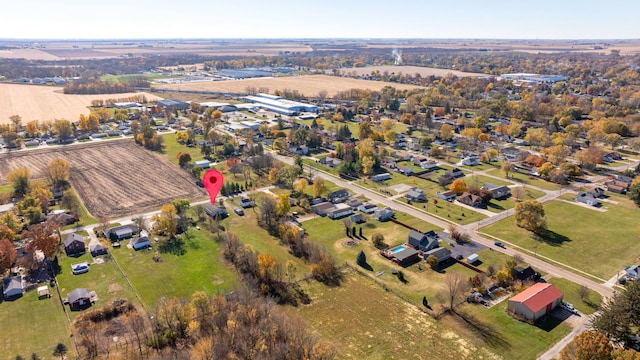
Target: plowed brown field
114, 178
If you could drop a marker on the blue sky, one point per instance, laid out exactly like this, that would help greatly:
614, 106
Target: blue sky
540, 19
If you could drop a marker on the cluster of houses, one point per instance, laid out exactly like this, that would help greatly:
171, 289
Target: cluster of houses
340, 203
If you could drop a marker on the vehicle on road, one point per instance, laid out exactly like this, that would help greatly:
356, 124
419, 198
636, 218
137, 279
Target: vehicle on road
499, 244
238, 211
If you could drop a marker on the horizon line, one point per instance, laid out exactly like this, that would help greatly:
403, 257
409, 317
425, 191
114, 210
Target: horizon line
314, 38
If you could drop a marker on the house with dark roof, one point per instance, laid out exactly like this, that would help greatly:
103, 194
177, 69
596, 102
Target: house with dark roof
354, 202
74, 244
597, 192
525, 273
587, 198
470, 199
368, 208
330, 162
611, 156
97, 249
216, 211
441, 253
406, 257
423, 242
338, 196
511, 152
323, 208
498, 191
535, 302
616, 186
415, 194
12, 287
79, 299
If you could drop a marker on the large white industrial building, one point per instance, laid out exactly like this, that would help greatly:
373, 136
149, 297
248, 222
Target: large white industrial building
534, 78
280, 105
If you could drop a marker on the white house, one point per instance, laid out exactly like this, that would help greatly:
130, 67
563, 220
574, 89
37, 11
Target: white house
633, 272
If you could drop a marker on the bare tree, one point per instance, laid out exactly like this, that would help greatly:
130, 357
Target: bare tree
456, 286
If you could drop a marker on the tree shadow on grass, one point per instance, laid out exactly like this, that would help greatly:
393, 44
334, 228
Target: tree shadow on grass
551, 237
175, 247
486, 332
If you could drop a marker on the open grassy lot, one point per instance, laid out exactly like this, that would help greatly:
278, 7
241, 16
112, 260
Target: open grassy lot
507, 337
196, 265
527, 180
31, 326
172, 148
599, 243
587, 305
105, 279
365, 322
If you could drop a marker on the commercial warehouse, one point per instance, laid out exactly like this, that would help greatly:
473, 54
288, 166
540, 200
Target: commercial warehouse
280, 105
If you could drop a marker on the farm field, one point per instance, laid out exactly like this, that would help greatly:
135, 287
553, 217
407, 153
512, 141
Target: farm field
363, 321
309, 85
581, 246
114, 178
33, 326
409, 70
44, 103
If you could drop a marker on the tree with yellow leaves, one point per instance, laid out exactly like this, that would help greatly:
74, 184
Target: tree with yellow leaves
282, 205
458, 186
301, 185
367, 165
58, 172
166, 221
32, 128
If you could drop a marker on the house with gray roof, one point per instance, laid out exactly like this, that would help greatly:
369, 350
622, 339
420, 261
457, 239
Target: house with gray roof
423, 242
74, 244
415, 194
498, 191
441, 253
79, 299
12, 287
587, 198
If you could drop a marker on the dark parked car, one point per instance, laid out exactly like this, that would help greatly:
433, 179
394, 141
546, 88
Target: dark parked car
499, 244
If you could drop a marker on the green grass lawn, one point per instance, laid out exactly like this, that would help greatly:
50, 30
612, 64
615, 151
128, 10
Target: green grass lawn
505, 204
599, 243
172, 148
196, 266
483, 166
527, 180
362, 321
31, 326
570, 290
105, 279
505, 336
85, 217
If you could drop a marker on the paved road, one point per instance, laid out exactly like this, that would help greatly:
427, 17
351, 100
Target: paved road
554, 351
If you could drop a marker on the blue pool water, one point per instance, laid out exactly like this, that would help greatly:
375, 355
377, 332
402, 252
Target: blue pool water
397, 249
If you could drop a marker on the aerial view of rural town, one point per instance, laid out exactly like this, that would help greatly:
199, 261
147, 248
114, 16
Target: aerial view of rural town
319, 198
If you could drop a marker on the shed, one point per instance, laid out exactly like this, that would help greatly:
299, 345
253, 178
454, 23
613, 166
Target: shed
381, 177
473, 258
43, 292
205, 164
97, 249
536, 301
79, 298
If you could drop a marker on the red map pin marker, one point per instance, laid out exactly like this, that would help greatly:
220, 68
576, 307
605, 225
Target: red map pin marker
213, 181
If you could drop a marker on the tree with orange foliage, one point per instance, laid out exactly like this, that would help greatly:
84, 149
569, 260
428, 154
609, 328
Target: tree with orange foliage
43, 237
458, 186
590, 345
7, 255
32, 128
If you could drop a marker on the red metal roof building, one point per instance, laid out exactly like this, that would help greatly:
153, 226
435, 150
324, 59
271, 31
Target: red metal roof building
536, 301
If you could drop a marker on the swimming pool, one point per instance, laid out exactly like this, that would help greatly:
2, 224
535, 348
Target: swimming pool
397, 249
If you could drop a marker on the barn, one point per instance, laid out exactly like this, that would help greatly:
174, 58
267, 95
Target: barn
535, 302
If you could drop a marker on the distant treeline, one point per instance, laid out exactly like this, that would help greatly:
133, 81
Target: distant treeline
97, 86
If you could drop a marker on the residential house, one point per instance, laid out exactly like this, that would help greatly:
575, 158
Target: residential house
299, 150
368, 208
470, 199
451, 175
97, 249
74, 244
471, 161
338, 196
587, 198
323, 208
383, 214
418, 160
441, 253
12, 287
400, 155
405, 170
216, 211
62, 218
611, 156
633, 272
142, 242
357, 218
511, 153
525, 273
535, 302
415, 194
447, 195
423, 242
381, 177
406, 257
498, 191
616, 186
429, 165
354, 202
330, 162
79, 299
625, 179
597, 192
399, 144
340, 211
120, 232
